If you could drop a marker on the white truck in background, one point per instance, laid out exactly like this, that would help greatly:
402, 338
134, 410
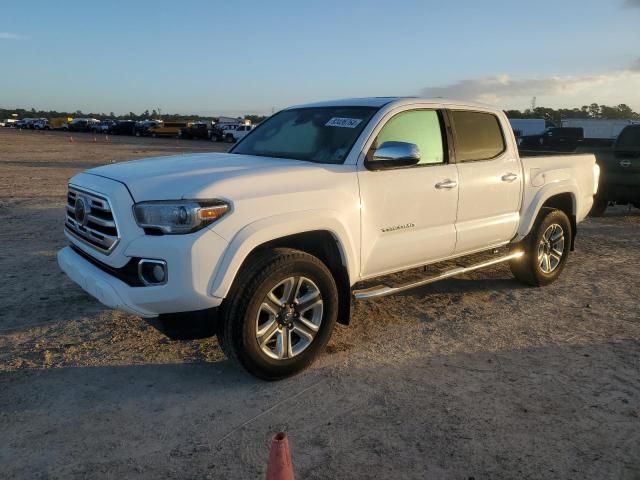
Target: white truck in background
527, 126
272, 240
606, 130
232, 135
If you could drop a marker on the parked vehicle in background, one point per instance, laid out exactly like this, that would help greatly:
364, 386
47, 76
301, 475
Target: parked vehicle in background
238, 133
103, 126
143, 127
620, 177
527, 126
25, 123
272, 239
168, 129
81, 124
9, 122
123, 127
598, 132
553, 139
217, 131
58, 123
226, 123
201, 130
40, 124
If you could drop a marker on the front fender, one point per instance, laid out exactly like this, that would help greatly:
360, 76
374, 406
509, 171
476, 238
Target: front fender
272, 228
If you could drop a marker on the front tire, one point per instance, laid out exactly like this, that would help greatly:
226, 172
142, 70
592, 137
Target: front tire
280, 314
546, 249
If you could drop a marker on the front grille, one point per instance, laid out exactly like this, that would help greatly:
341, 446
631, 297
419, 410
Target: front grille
96, 225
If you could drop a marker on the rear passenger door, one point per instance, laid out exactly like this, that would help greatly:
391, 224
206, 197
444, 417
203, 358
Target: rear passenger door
490, 180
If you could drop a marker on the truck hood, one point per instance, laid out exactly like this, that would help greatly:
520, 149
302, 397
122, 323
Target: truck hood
204, 175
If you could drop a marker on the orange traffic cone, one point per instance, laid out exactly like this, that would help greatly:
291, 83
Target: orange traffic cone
280, 466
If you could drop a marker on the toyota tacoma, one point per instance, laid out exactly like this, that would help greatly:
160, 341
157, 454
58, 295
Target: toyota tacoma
274, 239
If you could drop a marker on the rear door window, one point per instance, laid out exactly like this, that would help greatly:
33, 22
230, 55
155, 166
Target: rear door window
478, 135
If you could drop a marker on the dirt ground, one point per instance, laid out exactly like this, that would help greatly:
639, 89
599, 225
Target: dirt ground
475, 377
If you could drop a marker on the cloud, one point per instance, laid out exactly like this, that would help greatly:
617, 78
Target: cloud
560, 91
11, 36
632, 3
490, 89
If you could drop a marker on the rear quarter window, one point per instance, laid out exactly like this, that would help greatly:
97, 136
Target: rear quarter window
478, 135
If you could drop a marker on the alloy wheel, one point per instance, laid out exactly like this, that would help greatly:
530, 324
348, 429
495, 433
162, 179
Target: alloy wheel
551, 248
289, 318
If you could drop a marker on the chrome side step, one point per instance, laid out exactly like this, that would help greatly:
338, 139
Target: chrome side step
383, 290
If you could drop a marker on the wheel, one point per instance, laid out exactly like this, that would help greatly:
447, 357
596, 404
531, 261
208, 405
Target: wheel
599, 207
229, 138
154, 135
280, 313
546, 249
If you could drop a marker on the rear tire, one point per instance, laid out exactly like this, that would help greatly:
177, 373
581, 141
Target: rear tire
280, 313
546, 249
599, 207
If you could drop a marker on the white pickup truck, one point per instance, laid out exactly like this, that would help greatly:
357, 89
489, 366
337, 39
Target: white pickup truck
271, 240
236, 133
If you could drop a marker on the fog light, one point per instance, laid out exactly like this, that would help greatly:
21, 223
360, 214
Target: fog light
152, 272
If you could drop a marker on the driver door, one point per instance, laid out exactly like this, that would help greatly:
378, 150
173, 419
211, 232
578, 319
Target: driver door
408, 214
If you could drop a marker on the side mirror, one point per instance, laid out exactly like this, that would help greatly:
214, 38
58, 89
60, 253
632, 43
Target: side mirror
394, 155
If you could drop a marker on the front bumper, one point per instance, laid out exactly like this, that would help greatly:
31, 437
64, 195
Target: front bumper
107, 289
191, 267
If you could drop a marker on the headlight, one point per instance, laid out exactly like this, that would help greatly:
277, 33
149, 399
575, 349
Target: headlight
179, 216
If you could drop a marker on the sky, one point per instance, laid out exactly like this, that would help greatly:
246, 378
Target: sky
242, 57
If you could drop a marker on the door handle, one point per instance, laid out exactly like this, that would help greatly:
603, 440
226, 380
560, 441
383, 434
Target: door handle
509, 177
448, 184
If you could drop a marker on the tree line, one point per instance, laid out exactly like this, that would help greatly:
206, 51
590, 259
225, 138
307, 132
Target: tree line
146, 115
594, 111
552, 115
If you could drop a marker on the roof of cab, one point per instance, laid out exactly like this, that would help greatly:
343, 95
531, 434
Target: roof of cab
396, 101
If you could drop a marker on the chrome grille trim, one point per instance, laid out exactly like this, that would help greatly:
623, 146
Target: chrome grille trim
100, 230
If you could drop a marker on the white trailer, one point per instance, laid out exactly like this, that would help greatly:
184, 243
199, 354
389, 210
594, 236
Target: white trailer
527, 126
598, 129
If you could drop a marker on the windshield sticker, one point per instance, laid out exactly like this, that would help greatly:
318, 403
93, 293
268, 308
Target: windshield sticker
343, 122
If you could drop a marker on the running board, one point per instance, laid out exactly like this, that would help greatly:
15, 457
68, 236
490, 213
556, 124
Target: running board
383, 290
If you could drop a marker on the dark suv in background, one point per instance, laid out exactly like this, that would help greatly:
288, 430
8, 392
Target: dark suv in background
554, 139
620, 173
123, 127
197, 130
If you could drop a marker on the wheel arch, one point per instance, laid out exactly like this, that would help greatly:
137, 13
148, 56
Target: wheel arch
329, 242
561, 197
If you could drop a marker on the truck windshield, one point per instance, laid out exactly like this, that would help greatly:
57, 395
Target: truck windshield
315, 134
